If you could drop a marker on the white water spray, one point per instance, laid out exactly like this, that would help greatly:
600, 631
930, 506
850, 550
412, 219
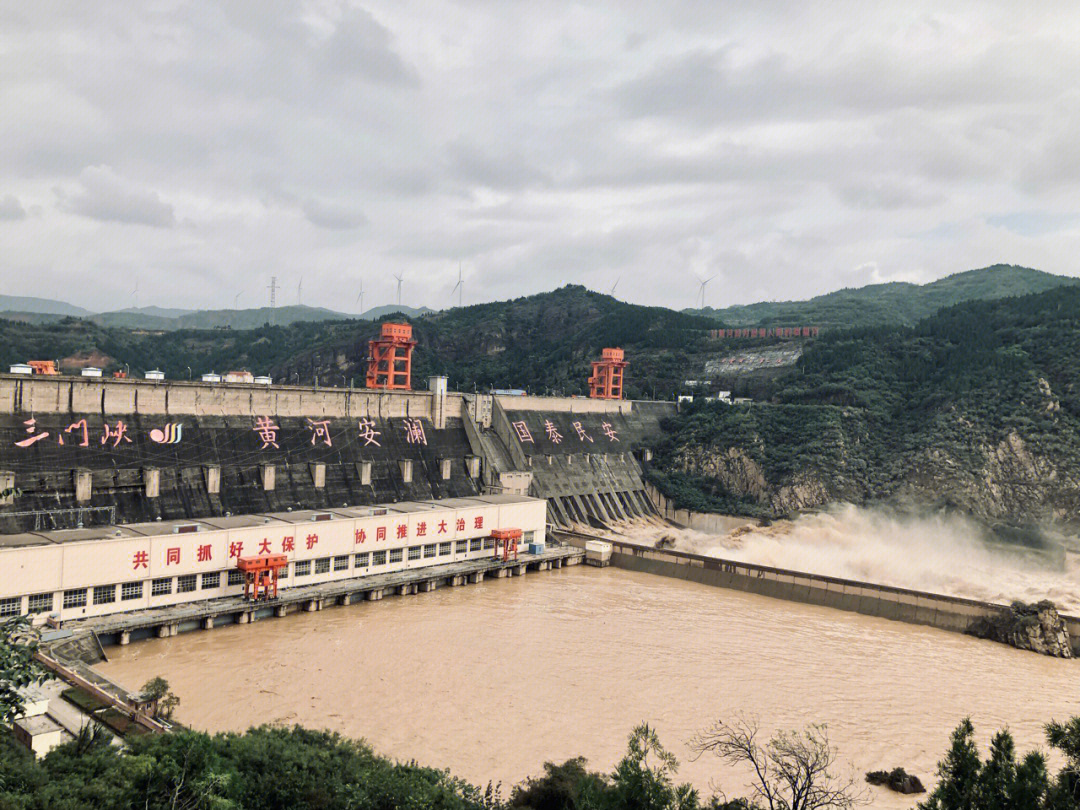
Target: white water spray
938, 553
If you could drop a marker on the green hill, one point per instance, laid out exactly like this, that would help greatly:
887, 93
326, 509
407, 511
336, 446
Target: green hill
975, 408
894, 303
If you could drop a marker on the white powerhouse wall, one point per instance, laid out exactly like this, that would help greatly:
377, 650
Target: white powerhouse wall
139, 555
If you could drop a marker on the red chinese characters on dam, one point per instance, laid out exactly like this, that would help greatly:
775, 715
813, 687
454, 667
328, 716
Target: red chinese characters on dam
199, 554
265, 428
555, 436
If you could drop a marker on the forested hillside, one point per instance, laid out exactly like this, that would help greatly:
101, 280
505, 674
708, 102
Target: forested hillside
976, 407
896, 303
542, 343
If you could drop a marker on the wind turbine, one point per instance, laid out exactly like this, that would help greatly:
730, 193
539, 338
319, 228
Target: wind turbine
236, 299
702, 290
135, 292
300, 292
360, 297
460, 286
399, 278
613, 286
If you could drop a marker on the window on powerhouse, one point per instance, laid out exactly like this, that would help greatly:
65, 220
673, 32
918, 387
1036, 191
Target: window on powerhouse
235, 577
396, 555
75, 598
378, 558
161, 587
476, 545
462, 546
362, 560
211, 580
303, 568
414, 552
322, 565
489, 542
429, 550
446, 548
40, 603
104, 594
131, 590
186, 583
11, 606
341, 563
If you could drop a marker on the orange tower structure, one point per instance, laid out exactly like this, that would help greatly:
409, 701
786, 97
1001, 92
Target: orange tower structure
606, 381
390, 358
261, 574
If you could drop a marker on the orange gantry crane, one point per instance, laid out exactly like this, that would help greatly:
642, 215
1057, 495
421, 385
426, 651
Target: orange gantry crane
390, 358
508, 539
261, 575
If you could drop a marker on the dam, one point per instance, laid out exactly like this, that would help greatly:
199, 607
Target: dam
158, 490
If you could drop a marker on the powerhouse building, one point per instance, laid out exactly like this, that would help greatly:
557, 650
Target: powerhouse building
78, 573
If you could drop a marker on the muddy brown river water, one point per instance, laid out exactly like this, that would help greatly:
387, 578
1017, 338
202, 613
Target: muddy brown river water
490, 680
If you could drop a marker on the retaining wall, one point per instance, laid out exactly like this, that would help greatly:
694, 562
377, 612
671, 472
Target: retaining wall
900, 604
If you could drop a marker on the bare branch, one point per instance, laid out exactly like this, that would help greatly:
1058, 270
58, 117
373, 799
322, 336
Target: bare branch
794, 770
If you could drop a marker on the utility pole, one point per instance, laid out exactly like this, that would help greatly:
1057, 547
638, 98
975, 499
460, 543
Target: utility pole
273, 297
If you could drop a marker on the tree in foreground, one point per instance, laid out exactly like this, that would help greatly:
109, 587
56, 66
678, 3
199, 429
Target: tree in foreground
18, 669
965, 782
793, 770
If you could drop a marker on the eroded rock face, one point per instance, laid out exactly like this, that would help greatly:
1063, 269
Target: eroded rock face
1036, 627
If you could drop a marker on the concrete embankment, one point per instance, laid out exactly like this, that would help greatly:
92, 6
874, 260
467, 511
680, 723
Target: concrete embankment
899, 604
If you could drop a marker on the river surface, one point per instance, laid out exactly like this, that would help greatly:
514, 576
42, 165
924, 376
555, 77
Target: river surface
491, 680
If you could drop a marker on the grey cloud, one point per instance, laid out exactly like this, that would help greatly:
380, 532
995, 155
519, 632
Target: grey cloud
888, 193
334, 217
11, 208
107, 197
506, 169
705, 87
362, 46
781, 144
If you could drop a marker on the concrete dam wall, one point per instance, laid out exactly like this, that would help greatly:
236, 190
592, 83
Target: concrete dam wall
80, 451
134, 468
585, 456
899, 604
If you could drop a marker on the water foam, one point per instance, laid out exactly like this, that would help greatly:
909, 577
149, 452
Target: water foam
940, 553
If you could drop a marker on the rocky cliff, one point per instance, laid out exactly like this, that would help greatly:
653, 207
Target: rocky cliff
1036, 627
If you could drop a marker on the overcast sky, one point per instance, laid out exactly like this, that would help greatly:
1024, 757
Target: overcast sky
197, 149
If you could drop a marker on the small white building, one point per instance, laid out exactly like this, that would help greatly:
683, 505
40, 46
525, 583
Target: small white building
20, 368
39, 733
91, 371
239, 377
263, 380
155, 375
211, 378
35, 701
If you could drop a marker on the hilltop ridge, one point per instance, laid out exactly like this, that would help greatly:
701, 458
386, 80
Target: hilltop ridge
897, 302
